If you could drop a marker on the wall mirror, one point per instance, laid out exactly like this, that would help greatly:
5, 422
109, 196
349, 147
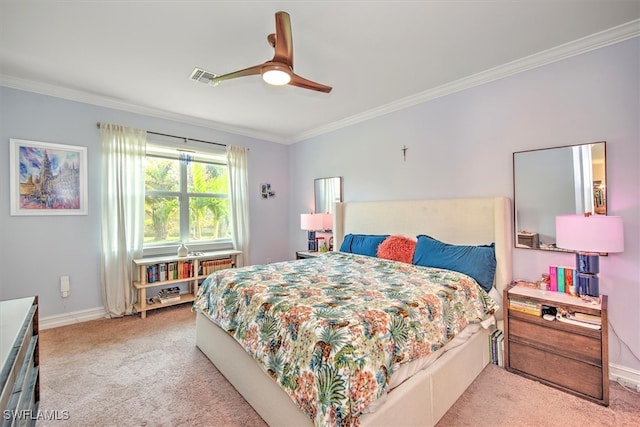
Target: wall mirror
327, 191
556, 181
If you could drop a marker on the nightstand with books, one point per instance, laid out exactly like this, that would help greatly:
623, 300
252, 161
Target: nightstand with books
558, 339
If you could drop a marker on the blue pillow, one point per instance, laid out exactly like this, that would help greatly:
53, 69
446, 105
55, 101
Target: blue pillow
362, 244
478, 262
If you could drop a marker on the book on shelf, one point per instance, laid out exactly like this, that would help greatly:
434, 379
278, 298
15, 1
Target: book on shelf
561, 278
169, 294
567, 319
496, 347
164, 300
525, 306
584, 317
152, 273
500, 345
162, 272
211, 266
553, 278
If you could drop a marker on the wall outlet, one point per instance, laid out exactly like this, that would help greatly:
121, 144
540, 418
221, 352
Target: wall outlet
65, 286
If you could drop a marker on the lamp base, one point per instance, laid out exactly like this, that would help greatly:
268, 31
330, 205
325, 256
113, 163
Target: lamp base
588, 267
312, 243
588, 284
588, 262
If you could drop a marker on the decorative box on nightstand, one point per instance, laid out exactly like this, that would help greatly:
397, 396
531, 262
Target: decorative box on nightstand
570, 357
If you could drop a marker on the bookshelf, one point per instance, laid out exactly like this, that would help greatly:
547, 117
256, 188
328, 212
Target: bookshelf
166, 272
556, 351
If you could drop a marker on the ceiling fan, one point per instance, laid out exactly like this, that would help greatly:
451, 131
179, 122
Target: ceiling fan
278, 71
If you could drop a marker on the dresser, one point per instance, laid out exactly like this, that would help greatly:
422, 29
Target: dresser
19, 352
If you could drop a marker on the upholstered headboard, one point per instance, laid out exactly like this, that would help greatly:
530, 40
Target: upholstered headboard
456, 221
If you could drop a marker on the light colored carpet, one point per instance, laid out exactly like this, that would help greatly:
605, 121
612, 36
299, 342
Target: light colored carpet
135, 372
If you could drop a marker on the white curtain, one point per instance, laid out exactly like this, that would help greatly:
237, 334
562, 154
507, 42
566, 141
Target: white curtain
123, 154
239, 201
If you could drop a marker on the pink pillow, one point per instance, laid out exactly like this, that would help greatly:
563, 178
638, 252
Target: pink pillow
397, 248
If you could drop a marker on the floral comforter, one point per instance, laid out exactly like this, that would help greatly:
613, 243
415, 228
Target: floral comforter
331, 330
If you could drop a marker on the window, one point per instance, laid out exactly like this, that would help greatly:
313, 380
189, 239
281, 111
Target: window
186, 197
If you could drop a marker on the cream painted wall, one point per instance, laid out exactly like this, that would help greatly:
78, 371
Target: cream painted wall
461, 145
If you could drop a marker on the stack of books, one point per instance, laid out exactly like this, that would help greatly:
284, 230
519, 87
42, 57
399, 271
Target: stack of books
562, 279
525, 306
496, 347
208, 267
169, 294
169, 271
582, 319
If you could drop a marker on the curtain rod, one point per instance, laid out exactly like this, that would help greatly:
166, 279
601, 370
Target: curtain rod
182, 138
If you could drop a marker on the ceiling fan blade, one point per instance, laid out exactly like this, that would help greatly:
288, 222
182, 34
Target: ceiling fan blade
240, 73
283, 40
298, 81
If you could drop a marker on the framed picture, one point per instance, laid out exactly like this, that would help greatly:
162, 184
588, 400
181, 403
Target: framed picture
47, 178
266, 191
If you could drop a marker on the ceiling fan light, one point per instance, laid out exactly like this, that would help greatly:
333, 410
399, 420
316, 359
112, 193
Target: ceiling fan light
276, 77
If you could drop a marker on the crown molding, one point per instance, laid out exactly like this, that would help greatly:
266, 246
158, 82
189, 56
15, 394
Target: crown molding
103, 101
592, 42
595, 41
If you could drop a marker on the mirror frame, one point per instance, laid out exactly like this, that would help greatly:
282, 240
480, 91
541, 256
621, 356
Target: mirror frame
316, 195
535, 240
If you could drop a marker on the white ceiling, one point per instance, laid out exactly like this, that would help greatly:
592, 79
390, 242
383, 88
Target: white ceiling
379, 56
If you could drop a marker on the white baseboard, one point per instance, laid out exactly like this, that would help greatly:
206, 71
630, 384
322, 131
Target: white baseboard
626, 376
71, 318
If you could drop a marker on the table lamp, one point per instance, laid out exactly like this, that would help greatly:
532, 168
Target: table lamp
327, 221
589, 235
312, 223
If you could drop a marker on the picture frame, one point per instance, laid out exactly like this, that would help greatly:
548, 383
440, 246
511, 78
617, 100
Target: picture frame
266, 191
47, 178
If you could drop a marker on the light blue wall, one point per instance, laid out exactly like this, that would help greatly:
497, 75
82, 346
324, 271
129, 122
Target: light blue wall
461, 145
36, 251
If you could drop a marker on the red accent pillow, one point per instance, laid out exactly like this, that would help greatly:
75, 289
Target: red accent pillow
397, 248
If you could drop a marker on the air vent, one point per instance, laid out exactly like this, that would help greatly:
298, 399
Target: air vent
203, 76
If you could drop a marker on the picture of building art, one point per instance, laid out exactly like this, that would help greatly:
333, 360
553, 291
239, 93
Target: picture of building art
47, 179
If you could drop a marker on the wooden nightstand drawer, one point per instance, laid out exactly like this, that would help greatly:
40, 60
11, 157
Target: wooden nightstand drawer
548, 338
561, 371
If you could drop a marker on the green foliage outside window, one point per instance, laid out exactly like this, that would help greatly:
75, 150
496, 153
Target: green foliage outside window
185, 201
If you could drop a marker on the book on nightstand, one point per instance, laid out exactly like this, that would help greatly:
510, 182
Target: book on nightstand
525, 306
587, 318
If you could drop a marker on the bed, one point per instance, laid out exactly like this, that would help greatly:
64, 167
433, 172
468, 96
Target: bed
424, 397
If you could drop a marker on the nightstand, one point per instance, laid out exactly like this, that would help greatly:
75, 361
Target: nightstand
569, 357
308, 254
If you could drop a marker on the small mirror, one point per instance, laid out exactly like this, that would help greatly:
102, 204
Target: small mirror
556, 181
327, 192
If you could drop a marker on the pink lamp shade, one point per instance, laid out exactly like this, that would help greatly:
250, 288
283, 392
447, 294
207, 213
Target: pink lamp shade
327, 221
311, 222
595, 233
